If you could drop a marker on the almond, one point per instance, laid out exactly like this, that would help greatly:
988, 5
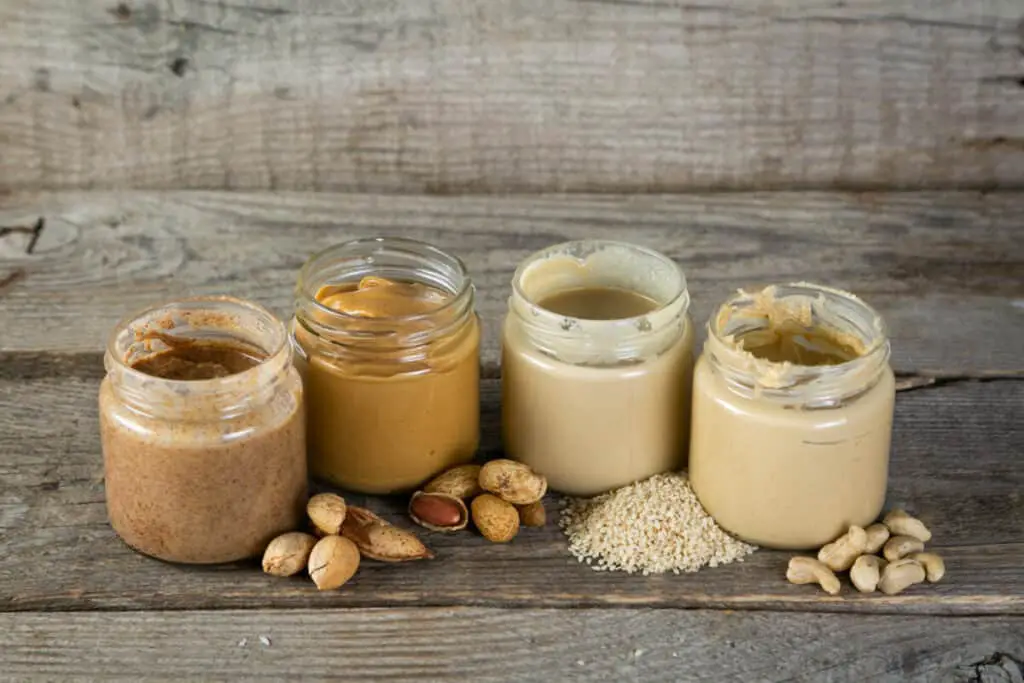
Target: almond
333, 562
381, 540
327, 512
288, 553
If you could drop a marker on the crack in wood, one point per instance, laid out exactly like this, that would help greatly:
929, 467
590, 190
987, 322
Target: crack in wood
995, 665
35, 231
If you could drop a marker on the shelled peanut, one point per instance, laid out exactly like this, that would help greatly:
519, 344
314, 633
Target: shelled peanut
342, 535
503, 495
888, 556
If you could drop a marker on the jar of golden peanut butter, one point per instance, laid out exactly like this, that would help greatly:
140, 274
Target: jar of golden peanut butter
792, 416
597, 356
203, 431
388, 345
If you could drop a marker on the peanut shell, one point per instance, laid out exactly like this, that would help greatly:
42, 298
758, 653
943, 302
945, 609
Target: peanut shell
513, 482
496, 519
533, 514
462, 482
438, 511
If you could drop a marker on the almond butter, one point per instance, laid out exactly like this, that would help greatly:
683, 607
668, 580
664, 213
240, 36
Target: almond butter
496, 519
327, 512
381, 540
438, 511
533, 514
512, 481
462, 482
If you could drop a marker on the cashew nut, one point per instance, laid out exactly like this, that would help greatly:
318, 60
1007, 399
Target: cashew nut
902, 524
899, 575
866, 571
878, 534
840, 554
803, 570
934, 566
899, 547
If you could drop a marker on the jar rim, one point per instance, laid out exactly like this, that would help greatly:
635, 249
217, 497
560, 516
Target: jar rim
680, 298
280, 332
405, 244
782, 378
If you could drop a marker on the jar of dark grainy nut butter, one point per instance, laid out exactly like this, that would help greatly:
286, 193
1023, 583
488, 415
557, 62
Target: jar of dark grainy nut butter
793, 403
388, 345
203, 431
597, 358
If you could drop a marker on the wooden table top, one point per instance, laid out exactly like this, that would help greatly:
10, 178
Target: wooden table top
946, 270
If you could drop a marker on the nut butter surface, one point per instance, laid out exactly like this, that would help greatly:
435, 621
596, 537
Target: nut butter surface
391, 372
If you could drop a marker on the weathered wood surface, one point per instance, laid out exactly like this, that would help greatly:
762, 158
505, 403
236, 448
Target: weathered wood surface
943, 268
956, 462
456, 96
471, 644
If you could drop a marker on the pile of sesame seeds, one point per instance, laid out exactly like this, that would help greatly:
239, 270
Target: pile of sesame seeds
651, 527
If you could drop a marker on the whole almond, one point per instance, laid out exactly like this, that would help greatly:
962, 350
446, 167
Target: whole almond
334, 561
513, 482
462, 482
327, 512
381, 540
438, 511
288, 553
533, 514
496, 519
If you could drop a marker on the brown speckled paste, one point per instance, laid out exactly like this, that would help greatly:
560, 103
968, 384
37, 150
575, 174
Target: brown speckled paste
204, 450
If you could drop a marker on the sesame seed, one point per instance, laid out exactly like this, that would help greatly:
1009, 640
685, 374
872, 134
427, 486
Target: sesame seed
651, 527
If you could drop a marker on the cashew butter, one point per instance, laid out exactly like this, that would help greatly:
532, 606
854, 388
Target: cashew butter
387, 343
793, 402
596, 365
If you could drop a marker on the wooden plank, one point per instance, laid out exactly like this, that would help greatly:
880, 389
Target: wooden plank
469, 644
943, 268
471, 96
956, 462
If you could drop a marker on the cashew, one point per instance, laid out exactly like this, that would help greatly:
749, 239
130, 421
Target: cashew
840, 554
902, 524
900, 575
899, 547
933, 565
865, 572
803, 570
878, 534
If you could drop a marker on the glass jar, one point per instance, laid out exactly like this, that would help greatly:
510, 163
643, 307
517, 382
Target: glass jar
203, 431
792, 416
392, 400
598, 397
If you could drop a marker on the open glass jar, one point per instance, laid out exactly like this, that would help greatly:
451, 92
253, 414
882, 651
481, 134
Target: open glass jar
792, 416
203, 431
597, 355
388, 344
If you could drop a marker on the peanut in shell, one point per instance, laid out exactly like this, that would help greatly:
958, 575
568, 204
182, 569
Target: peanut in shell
513, 482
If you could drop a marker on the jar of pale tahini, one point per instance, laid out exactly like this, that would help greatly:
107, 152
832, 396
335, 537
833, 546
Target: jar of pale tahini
792, 416
596, 364
203, 431
388, 345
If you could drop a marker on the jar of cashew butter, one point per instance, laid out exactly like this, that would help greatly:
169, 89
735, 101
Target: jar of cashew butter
792, 415
388, 344
597, 357
203, 431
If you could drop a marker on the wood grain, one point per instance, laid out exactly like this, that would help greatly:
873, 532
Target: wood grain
942, 268
469, 644
956, 462
473, 96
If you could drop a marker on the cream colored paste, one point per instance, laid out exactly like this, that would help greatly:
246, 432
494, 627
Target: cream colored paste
783, 472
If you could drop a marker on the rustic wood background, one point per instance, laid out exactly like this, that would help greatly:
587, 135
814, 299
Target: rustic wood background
158, 148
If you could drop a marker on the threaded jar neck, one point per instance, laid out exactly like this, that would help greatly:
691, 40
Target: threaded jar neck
810, 320
211, 319
600, 264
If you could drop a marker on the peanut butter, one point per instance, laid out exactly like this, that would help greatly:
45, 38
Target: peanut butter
792, 416
392, 383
